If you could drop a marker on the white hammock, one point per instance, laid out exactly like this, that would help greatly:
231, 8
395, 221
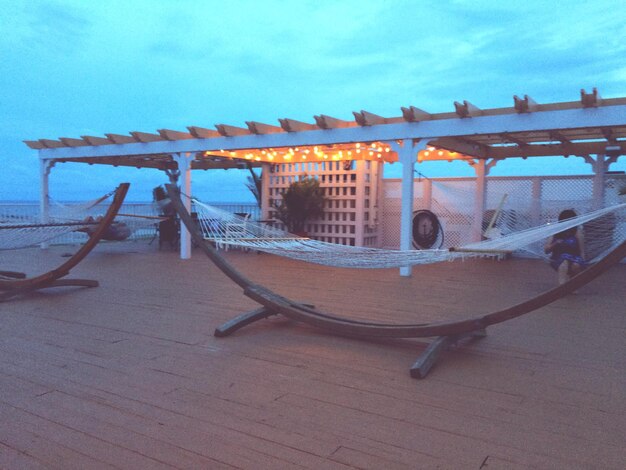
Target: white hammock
65, 219
227, 229
14, 236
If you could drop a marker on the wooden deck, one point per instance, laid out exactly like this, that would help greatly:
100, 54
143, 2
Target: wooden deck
129, 375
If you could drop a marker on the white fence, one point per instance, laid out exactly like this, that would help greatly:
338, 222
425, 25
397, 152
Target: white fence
525, 201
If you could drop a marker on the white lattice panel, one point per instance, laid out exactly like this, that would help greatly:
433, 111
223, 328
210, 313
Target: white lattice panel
352, 190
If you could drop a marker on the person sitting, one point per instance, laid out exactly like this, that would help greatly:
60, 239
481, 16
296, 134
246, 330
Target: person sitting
566, 250
116, 231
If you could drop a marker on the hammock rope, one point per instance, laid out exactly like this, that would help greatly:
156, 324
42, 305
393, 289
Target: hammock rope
64, 219
229, 230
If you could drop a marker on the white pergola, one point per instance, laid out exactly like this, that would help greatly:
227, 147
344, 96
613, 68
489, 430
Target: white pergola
591, 128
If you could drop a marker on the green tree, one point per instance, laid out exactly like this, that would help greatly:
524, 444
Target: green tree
303, 200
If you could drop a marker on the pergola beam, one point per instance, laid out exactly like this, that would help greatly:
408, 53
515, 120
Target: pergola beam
146, 137
466, 109
231, 131
261, 128
51, 144
514, 140
524, 105
465, 146
590, 100
546, 150
120, 139
365, 118
556, 120
556, 135
169, 134
291, 125
92, 140
202, 132
71, 142
413, 114
327, 122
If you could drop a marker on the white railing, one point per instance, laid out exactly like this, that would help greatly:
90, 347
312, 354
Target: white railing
21, 212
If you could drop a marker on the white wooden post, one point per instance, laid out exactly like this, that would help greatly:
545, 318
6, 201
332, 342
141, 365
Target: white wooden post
535, 208
428, 193
599, 181
184, 166
359, 203
481, 167
407, 151
45, 166
265, 191
600, 166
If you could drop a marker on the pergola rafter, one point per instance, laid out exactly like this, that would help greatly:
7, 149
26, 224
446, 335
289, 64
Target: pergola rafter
535, 130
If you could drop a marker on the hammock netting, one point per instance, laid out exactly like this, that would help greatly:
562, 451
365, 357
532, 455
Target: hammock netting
229, 230
25, 231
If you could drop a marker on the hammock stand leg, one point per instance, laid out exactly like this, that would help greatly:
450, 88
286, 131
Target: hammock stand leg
228, 328
73, 282
12, 275
57, 283
427, 359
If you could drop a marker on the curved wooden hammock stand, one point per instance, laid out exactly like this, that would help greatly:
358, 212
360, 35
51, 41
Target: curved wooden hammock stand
447, 333
13, 283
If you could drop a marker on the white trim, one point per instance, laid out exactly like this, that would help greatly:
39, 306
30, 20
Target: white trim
507, 123
184, 166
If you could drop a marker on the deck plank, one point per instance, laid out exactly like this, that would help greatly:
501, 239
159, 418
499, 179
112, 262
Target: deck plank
129, 375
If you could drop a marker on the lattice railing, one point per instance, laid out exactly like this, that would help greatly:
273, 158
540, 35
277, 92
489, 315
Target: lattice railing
521, 202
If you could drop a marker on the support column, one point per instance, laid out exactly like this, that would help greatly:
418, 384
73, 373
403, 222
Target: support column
407, 151
428, 193
45, 166
481, 167
359, 232
535, 205
184, 167
265, 191
600, 166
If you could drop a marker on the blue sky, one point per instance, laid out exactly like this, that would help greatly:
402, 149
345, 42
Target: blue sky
72, 67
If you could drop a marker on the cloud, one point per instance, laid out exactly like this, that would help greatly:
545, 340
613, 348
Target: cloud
70, 67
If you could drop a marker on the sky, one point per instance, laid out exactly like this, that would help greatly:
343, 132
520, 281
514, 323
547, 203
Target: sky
79, 67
